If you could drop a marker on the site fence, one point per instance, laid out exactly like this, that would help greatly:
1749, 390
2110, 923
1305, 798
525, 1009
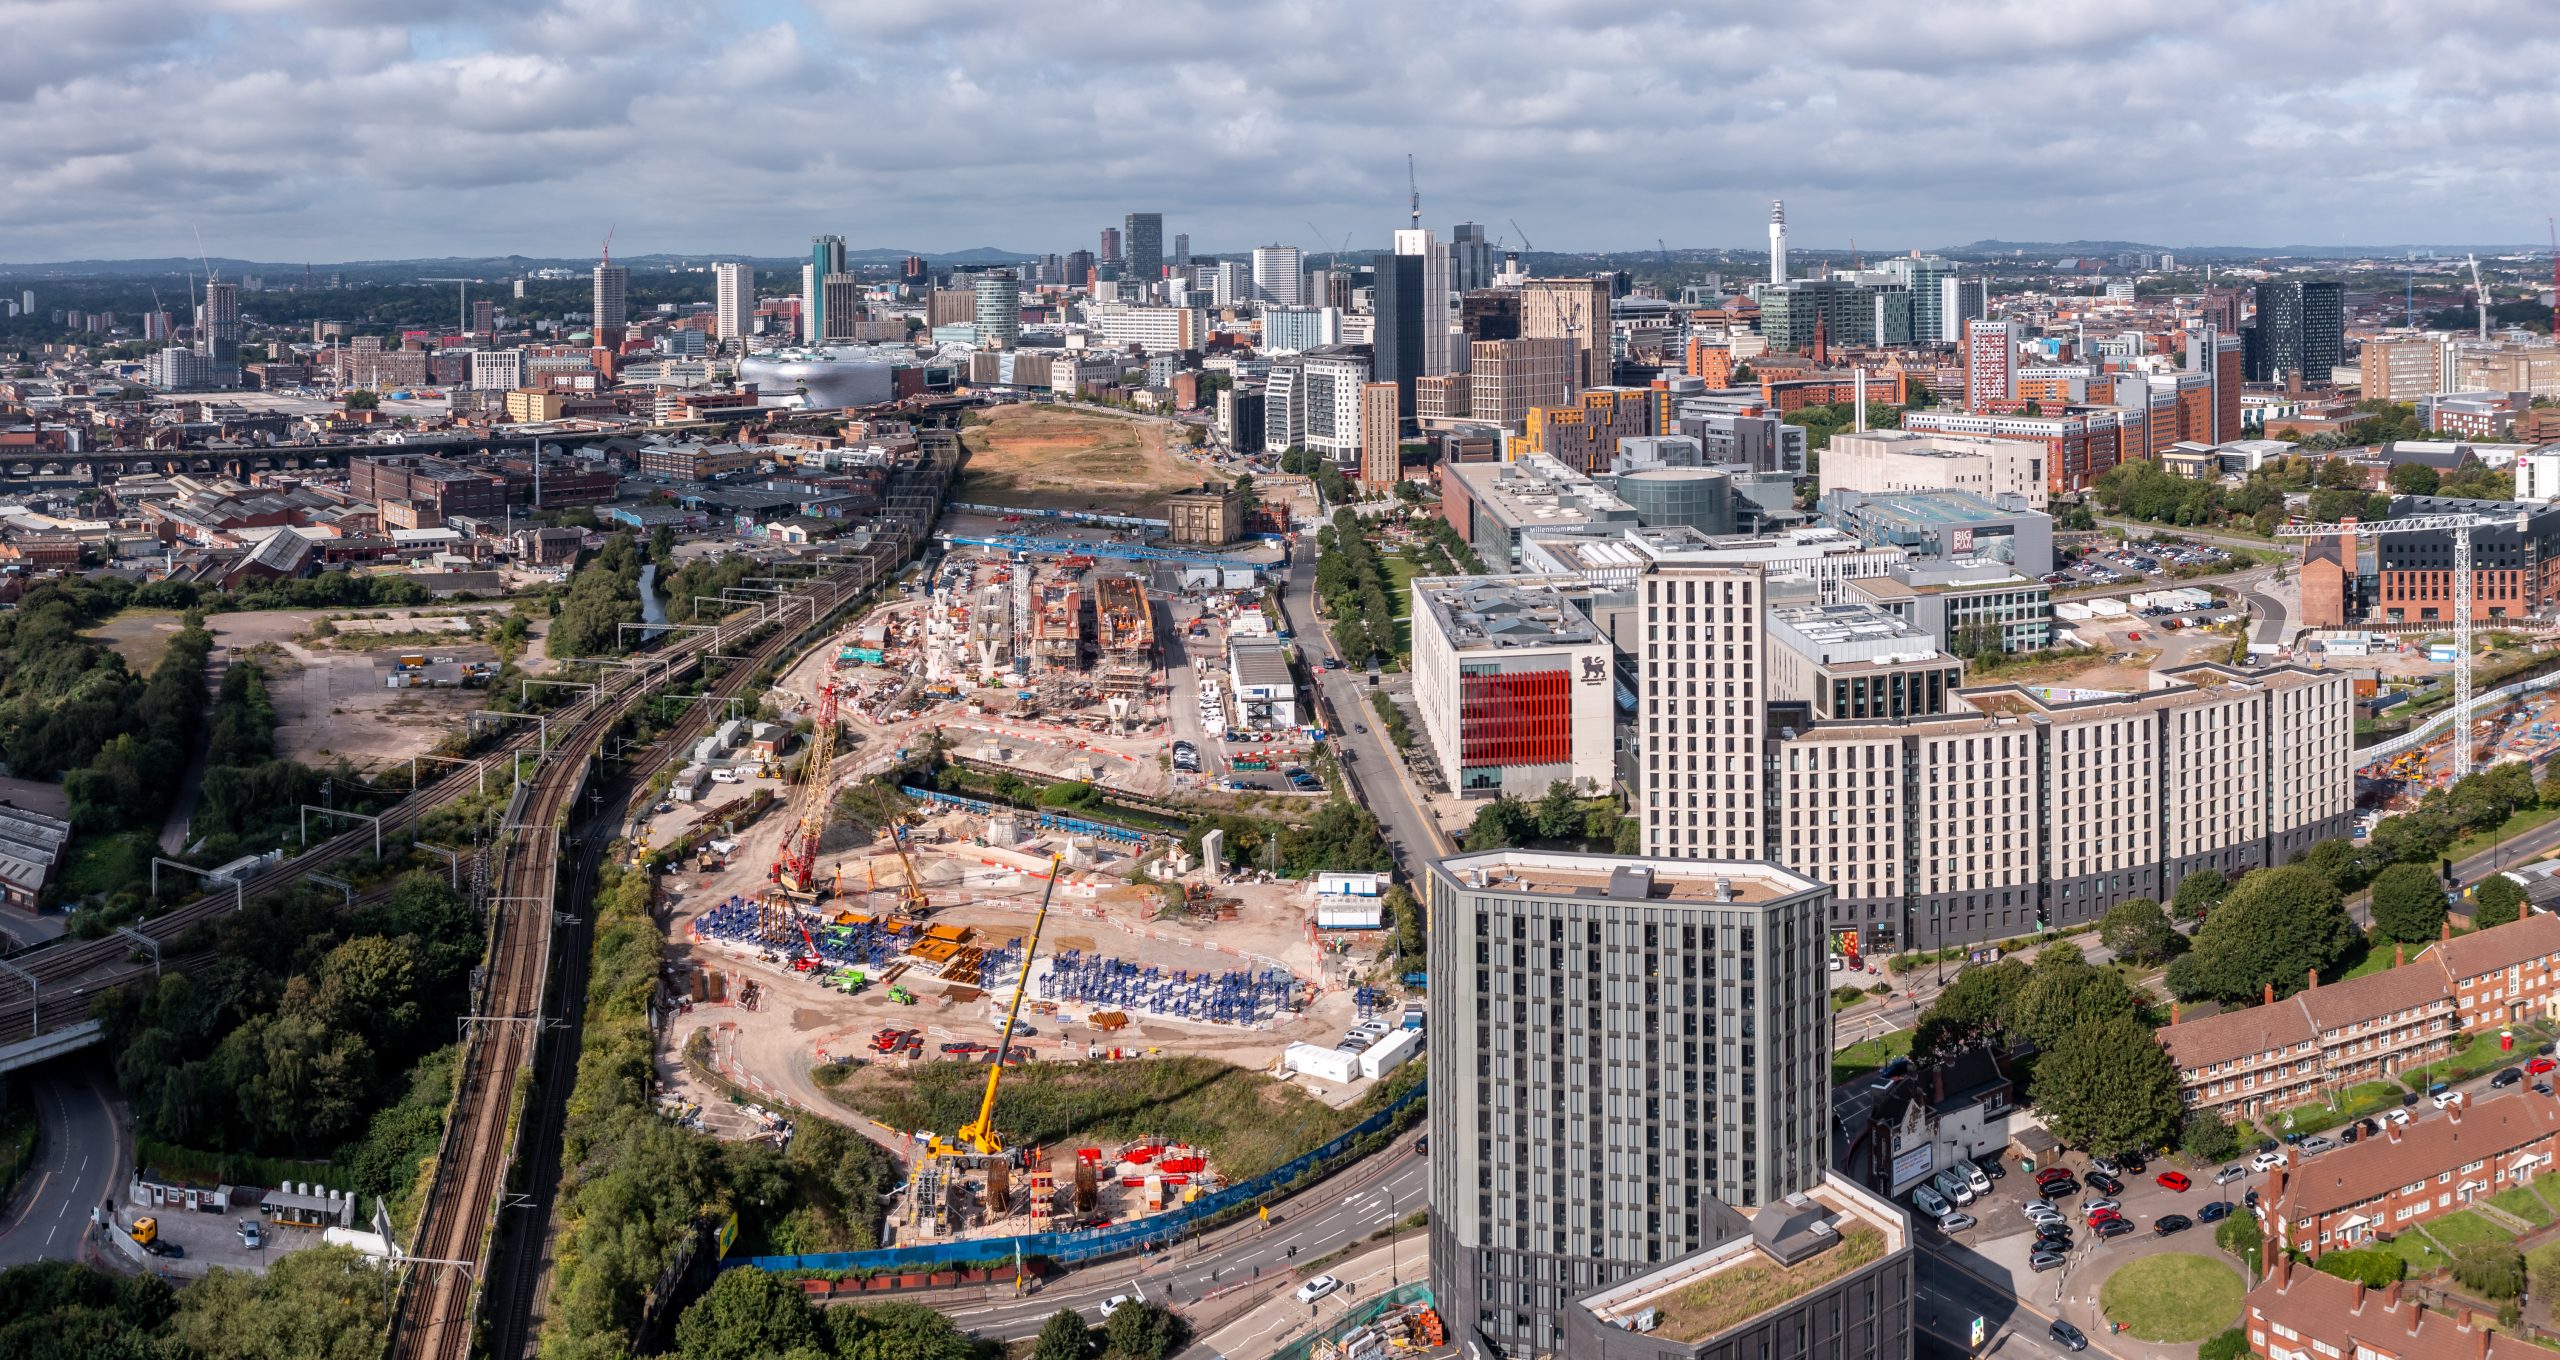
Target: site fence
1066, 1248
2410, 740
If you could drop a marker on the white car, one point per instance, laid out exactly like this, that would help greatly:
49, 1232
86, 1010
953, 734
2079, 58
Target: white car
1112, 1305
2398, 1116
1317, 1288
2268, 1160
2448, 1098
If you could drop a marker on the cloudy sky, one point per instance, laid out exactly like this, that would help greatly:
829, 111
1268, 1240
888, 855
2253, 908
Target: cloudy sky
346, 129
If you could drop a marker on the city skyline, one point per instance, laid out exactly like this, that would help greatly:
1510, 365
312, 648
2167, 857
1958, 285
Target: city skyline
939, 129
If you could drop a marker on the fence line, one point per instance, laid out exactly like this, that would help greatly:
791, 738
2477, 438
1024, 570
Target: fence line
1092, 1243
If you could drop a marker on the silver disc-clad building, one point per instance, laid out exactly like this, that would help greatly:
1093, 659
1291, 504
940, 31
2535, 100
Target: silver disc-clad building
1630, 1060
827, 376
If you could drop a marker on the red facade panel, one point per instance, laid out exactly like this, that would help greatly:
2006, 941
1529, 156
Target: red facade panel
1520, 719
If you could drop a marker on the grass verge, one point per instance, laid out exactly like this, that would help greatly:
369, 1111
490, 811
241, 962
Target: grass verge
1866, 1055
2176, 1297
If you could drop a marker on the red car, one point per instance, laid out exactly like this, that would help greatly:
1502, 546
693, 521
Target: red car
2540, 1065
2173, 1180
2102, 1216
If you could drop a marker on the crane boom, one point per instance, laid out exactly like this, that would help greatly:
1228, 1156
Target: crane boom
1524, 236
2461, 527
796, 866
2479, 294
2553, 225
979, 1134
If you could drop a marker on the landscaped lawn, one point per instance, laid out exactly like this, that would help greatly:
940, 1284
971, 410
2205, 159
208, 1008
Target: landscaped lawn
2372, 1097
1866, 1055
2176, 1297
2455, 1229
2470, 1060
2524, 1204
2421, 1254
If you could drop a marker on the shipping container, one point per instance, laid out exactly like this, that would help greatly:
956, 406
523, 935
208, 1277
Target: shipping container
1390, 1053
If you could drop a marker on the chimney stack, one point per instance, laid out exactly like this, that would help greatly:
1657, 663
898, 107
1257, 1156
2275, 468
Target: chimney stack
2270, 994
2466, 1319
2391, 1297
2313, 984
2173, 1012
2399, 955
2445, 931
2358, 1305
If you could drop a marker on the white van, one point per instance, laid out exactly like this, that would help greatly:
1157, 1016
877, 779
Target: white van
724, 776
1927, 1201
1953, 1187
1972, 1176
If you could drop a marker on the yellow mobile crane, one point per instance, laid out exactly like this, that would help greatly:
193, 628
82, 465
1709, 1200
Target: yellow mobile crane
911, 898
978, 1136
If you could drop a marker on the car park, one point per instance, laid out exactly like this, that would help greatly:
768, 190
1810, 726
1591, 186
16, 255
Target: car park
2171, 1223
2215, 1212
1317, 1288
2229, 1174
2173, 1180
2066, 1336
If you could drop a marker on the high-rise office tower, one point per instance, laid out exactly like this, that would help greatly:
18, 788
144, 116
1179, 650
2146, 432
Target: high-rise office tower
1436, 330
1701, 719
826, 256
999, 318
484, 318
1927, 276
1110, 253
1396, 324
1181, 249
222, 323
1079, 269
1231, 283
1145, 245
733, 299
1778, 241
2300, 331
611, 315
1381, 439
1470, 257
1576, 310
1279, 276
840, 294
1991, 362
1629, 1069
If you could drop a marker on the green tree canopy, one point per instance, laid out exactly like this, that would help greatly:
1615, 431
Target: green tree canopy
2277, 929
2139, 931
2413, 479
2495, 901
2107, 1086
1973, 1008
2199, 892
1063, 1337
2063, 990
747, 1315
2408, 904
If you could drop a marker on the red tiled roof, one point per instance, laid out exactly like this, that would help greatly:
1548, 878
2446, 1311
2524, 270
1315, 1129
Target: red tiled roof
2222, 1038
2378, 1165
2537, 936
2348, 1315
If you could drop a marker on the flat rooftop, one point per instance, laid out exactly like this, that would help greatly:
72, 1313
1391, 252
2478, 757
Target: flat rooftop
1479, 613
1852, 632
1795, 1246
1539, 489
1930, 507
1629, 878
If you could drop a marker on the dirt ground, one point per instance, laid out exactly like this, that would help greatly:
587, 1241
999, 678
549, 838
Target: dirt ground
333, 702
1060, 458
139, 636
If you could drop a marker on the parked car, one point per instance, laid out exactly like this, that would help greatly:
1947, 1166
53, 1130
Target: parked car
2171, 1223
1317, 1288
1991, 1166
251, 1235
2229, 1174
2104, 1216
1952, 1187
2105, 1166
2103, 1183
1927, 1201
2268, 1161
2540, 1065
2398, 1117
2096, 1207
2068, 1337
2506, 1077
2111, 1227
2215, 1212
2058, 1189
2173, 1180
2317, 1143
1955, 1223
1973, 1176
2045, 1260
2037, 1211
2131, 1162
2051, 1174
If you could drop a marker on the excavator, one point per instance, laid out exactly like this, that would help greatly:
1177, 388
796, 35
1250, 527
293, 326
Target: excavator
977, 1138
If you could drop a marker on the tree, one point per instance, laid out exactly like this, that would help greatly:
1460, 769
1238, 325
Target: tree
1973, 1008
2496, 901
897, 1331
747, 1315
1140, 1331
2063, 990
2139, 930
2231, 1344
2278, 928
2344, 863
1065, 1337
1504, 822
2199, 892
325, 1303
1559, 813
363, 401
2207, 1138
2107, 1086
2493, 1269
2408, 904
2413, 479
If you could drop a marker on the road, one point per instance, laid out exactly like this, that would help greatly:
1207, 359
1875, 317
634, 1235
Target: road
1410, 832
1335, 1213
79, 1163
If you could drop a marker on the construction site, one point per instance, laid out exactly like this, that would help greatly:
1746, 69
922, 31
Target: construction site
953, 929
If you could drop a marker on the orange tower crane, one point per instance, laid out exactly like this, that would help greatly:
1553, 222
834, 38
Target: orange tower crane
795, 868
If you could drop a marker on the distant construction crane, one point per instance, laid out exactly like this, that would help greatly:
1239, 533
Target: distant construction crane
795, 869
461, 304
1524, 236
2553, 225
2461, 527
2479, 294
978, 1136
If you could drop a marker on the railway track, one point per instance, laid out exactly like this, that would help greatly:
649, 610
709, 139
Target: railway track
437, 1314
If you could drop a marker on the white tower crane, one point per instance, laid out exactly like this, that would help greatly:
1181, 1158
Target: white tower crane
2479, 294
2461, 527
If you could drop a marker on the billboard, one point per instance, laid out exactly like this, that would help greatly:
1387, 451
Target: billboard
1911, 1164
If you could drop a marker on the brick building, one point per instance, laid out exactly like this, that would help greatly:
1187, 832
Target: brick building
2515, 568
2329, 582
2406, 1175
436, 488
2298, 1313
2502, 975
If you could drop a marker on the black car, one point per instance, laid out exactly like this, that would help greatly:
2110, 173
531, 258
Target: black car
2130, 1163
2506, 1077
2061, 1230
1991, 1167
2045, 1260
2215, 1212
2068, 1337
2053, 1190
2172, 1223
2250, 1199
2111, 1227
2103, 1183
